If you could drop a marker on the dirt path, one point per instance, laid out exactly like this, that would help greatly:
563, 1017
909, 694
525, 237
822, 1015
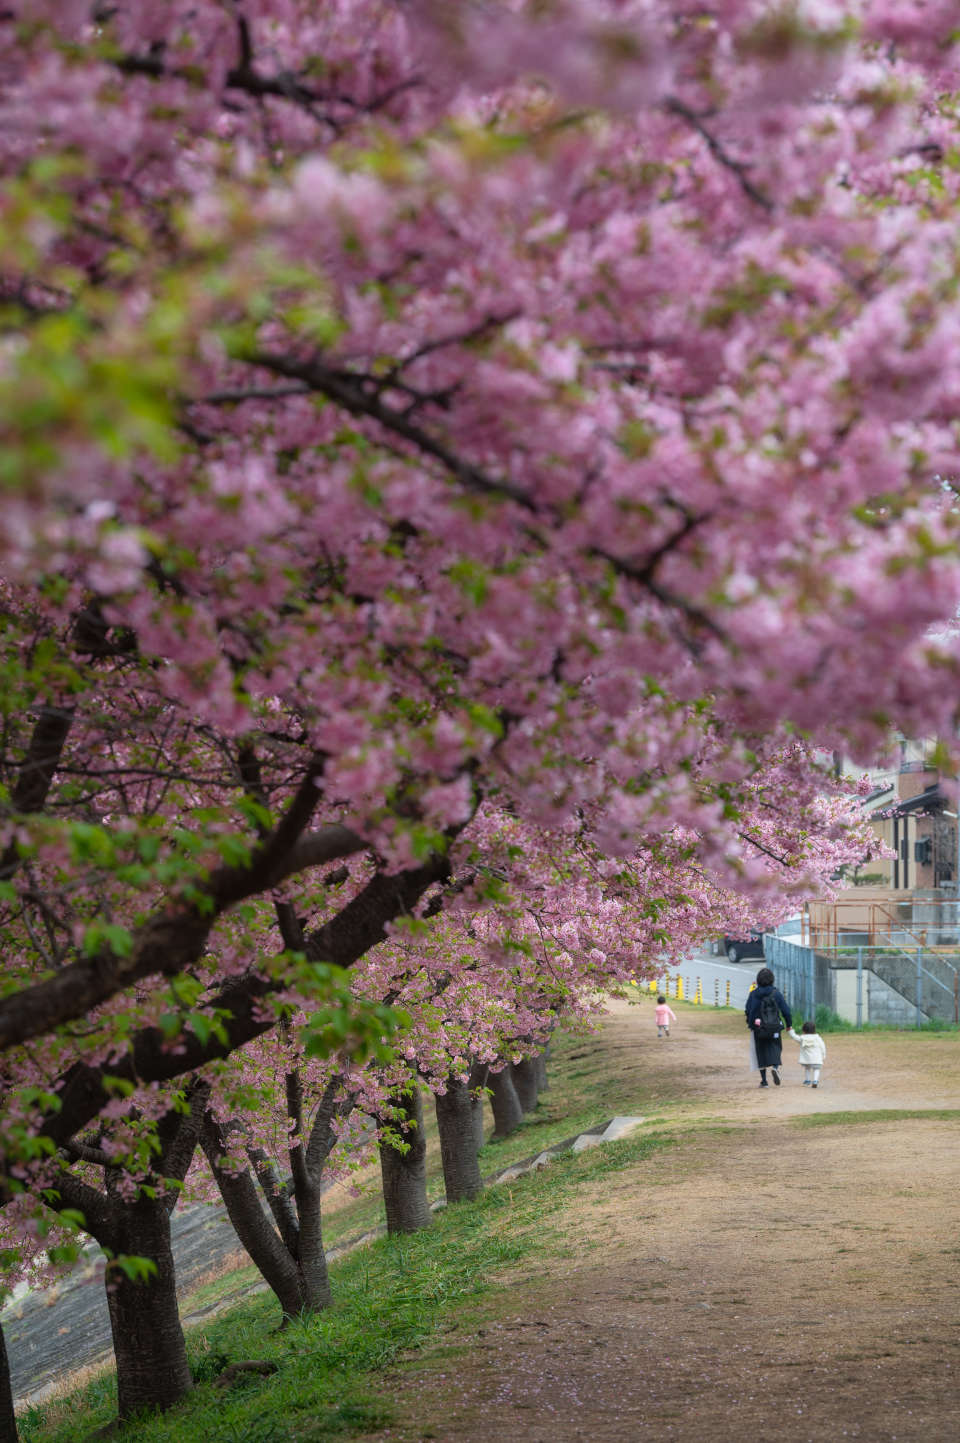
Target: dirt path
764, 1281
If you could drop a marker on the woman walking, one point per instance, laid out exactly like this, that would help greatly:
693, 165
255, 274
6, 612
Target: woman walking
765, 1008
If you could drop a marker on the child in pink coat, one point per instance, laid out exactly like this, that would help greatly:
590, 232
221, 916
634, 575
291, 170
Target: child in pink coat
664, 1015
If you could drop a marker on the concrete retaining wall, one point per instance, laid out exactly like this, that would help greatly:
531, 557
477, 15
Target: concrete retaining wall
889, 998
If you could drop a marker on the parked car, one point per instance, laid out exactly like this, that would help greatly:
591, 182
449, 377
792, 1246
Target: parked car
742, 949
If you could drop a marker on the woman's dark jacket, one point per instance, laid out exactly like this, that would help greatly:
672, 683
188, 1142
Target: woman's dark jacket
753, 1005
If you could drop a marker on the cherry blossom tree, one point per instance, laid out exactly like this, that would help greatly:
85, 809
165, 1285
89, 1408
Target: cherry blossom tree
377, 445
412, 409
479, 986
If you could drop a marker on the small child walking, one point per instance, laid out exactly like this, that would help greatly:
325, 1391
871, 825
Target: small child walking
664, 1015
813, 1052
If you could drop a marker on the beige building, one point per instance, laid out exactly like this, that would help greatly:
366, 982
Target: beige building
910, 896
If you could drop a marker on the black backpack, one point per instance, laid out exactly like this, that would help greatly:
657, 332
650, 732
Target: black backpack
769, 1014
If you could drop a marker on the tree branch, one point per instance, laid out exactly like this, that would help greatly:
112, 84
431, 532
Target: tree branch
83, 1152
736, 167
245, 77
348, 390
277, 1194
37, 771
244, 1004
80, 1196
322, 1136
175, 937
784, 861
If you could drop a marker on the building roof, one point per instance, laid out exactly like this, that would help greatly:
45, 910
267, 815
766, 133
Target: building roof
872, 801
927, 803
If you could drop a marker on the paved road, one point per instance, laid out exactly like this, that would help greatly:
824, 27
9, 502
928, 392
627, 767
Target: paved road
712, 970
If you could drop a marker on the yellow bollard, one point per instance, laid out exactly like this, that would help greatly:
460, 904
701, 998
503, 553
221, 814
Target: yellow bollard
653, 987
728, 992
679, 992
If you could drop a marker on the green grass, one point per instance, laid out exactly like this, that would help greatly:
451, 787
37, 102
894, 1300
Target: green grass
829, 1021
584, 1090
390, 1298
888, 1114
235, 1283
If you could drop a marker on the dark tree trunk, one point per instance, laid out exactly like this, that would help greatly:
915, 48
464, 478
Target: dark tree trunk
524, 1074
291, 1256
278, 1196
458, 1147
8, 1423
307, 1164
479, 1074
404, 1174
152, 1368
507, 1112
277, 1262
314, 1279
543, 1080
293, 1265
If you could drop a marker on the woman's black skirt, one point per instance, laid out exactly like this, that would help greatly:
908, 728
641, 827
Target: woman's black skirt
769, 1051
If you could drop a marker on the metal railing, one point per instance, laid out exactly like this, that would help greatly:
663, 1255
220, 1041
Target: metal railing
795, 966
894, 946
927, 919
874, 956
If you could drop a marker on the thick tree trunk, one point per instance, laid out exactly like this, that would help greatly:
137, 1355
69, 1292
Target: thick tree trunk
507, 1112
277, 1262
152, 1367
314, 1278
458, 1147
524, 1074
404, 1175
543, 1080
295, 1265
8, 1423
290, 1257
479, 1074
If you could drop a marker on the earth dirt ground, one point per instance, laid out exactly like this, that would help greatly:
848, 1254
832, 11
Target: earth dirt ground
763, 1281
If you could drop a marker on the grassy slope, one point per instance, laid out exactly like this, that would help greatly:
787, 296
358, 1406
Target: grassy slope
395, 1295
389, 1296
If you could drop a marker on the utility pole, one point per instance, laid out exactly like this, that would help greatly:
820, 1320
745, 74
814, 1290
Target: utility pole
956, 876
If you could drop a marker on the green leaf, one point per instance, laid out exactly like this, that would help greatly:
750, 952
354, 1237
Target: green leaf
137, 1269
200, 1026
234, 850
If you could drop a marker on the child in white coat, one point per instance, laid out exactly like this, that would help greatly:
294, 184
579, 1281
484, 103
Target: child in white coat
813, 1052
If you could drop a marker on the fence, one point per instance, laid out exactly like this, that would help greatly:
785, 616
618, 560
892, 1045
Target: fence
921, 982
795, 968
892, 983
929, 920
